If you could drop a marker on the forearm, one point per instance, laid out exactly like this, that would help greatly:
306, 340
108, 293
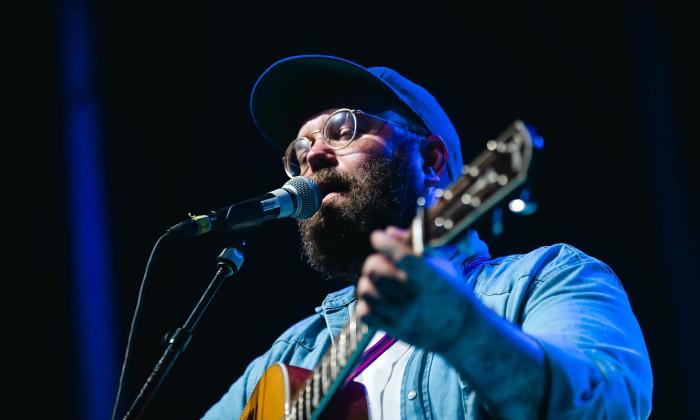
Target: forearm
578, 353
505, 366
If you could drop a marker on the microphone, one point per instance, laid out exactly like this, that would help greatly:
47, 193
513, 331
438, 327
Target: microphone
299, 198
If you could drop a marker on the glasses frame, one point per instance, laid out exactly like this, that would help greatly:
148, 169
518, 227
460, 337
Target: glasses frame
352, 112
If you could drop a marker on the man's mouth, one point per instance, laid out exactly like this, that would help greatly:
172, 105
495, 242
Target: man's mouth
330, 186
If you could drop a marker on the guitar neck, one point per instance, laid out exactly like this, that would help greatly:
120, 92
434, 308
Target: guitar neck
329, 376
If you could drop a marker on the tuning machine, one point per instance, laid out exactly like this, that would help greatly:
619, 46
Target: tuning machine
523, 203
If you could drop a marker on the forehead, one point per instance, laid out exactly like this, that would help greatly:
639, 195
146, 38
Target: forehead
315, 122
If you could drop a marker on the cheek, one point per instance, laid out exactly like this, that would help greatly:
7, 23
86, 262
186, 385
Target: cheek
352, 163
354, 160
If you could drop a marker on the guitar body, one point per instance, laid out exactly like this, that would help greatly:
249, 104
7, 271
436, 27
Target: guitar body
276, 391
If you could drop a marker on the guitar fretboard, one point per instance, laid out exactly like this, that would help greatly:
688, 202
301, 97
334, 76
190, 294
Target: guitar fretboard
330, 374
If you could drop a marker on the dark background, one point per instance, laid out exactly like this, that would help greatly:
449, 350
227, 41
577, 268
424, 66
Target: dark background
608, 89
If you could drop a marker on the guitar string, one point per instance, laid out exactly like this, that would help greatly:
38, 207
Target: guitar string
329, 369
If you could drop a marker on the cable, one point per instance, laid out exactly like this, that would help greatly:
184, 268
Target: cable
134, 320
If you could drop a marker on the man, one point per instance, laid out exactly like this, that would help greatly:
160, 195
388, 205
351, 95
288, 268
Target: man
547, 334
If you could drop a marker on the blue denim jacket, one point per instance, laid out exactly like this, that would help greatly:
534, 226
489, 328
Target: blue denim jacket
571, 303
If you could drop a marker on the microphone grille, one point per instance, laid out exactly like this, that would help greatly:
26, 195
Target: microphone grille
308, 195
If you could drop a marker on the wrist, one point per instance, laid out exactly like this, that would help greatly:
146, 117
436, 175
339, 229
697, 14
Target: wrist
445, 306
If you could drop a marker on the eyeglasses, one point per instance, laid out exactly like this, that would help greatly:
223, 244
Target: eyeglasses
339, 130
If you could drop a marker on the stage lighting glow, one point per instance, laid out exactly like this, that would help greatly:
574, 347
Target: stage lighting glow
516, 206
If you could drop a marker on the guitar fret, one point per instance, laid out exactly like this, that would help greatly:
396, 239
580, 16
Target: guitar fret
342, 342
317, 388
300, 408
334, 362
353, 332
325, 374
307, 398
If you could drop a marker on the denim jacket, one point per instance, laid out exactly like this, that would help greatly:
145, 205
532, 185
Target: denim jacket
572, 304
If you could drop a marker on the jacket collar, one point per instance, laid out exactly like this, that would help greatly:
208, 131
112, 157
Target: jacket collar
460, 254
337, 299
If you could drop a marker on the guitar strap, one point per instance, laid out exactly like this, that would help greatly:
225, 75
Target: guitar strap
370, 355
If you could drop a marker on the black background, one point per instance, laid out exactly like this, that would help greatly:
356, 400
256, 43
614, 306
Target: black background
608, 89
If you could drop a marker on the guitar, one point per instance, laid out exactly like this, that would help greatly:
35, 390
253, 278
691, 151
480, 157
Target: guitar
294, 393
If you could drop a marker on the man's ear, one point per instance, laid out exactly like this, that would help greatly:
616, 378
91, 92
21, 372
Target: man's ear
434, 153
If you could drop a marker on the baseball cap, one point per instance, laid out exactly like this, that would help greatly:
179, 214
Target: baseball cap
293, 89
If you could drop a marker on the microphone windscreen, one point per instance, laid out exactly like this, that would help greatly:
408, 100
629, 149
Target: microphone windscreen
308, 196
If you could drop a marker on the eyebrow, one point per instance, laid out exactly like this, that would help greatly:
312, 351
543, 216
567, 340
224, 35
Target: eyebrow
300, 132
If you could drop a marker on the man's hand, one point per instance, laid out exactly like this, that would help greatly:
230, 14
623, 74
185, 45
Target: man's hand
420, 300
425, 302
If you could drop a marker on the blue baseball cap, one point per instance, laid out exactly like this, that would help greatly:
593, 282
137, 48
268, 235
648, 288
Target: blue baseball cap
294, 89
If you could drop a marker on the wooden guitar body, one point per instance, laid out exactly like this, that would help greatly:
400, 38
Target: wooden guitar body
275, 393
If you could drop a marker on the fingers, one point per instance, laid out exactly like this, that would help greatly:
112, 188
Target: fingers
392, 242
382, 279
398, 233
381, 286
383, 289
379, 265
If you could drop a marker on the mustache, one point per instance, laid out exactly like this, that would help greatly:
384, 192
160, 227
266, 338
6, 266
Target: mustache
332, 180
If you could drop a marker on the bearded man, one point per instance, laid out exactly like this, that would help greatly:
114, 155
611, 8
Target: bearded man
547, 334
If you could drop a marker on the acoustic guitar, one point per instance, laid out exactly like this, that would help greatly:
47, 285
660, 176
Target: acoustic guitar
293, 393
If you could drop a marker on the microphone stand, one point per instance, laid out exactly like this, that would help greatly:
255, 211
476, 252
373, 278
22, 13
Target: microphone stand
228, 264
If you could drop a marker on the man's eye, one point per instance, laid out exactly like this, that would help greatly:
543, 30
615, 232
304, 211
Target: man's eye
301, 157
345, 133
301, 148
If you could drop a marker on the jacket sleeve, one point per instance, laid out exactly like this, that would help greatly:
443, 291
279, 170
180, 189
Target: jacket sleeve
291, 347
231, 405
597, 362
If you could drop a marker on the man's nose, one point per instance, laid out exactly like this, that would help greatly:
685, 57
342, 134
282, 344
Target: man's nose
321, 156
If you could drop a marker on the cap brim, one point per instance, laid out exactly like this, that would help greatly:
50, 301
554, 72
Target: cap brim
294, 89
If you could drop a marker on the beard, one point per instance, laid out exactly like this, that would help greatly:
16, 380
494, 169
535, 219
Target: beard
383, 192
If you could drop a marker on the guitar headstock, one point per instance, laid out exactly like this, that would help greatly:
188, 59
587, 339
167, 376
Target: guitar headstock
495, 173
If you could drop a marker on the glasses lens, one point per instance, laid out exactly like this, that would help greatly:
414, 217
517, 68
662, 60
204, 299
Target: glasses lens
340, 128
294, 158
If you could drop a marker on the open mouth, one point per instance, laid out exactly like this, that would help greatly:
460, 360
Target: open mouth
330, 188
